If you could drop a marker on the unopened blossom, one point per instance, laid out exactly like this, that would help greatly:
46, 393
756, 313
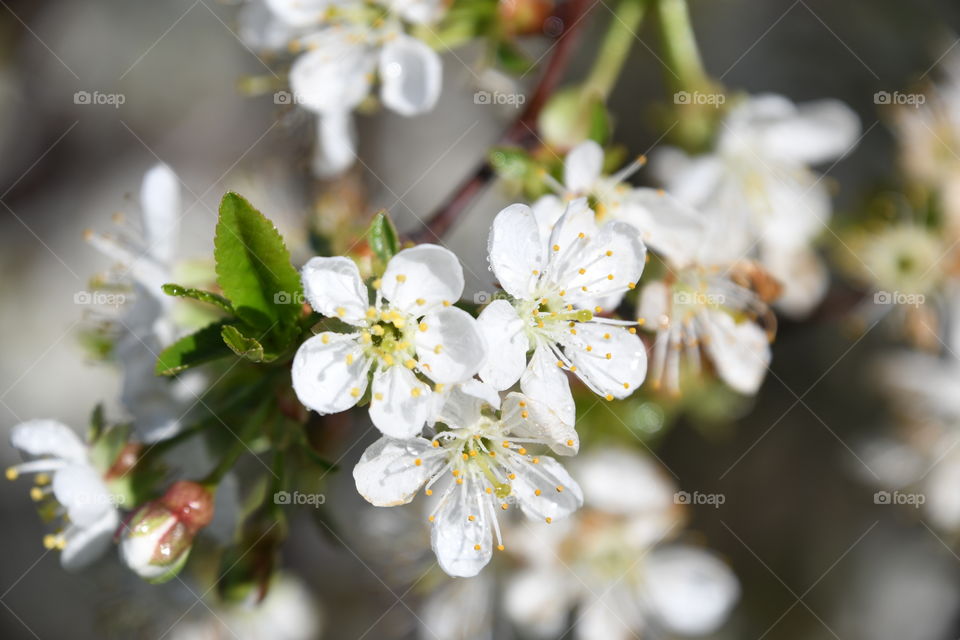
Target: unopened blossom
757, 193
411, 338
346, 47
68, 481
558, 271
487, 459
614, 563
145, 262
702, 307
156, 540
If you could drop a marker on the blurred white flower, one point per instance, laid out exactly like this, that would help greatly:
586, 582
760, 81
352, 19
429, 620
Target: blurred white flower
758, 194
558, 265
288, 612
410, 328
346, 47
609, 564
483, 465
158, 406
65, 472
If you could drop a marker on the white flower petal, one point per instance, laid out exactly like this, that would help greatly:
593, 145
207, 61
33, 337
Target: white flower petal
334, 74
612, 615
87, 544
418, 11
583, 167
410, 76
322, 377
565, 238
611, 264
616, 363
48, 438
814, 132
667, 225
333, 288
400, 403
804, 277
560, 495
336, 147
539, 600
544, 381
623, 482
160, 203
388, 475
465, 402
547, 210
654, 304
515, 250
299, 13
81, 491
455, 537
689, 590
420, 278
528, 418
507, 344
740, 352
449, 345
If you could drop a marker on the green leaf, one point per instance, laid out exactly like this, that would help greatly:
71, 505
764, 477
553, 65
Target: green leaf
195, 349
98, 422
241, 345
209, 297
511, 59
105, 450
383, 238
254, 270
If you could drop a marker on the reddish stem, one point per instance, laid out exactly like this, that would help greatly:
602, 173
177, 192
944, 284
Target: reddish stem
520, 133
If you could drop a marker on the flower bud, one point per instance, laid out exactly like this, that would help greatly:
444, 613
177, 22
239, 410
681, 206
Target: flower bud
157, 539
523, 17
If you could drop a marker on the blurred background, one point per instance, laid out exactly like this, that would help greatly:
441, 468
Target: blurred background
815, 556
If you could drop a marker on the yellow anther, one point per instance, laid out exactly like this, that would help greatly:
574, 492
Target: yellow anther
563, 292
641, 321
632, 329
500, 546
438, 349
598, 309
582, 271
459, 480
522, 451
488, 490
606, 336
12, 473
581, 235
377, 283
371, 312
608, 356
632, 285
589, 348
410, 363
573, 368
430, 518
476, 547
524, 414
429, 492
421, 301
349, 359
559, 488
610, 277
446, 303
473, 453
42, 479
573, 332
401, 277
536, 272
536, 492
439, 387
355, 392
549, 520
522, 403
377, 330
570, 442
556, 247
512, 476
626, 385
506, 443
560, 363
418, 462
36, 494
49, 541
535, 461
471, 518
609, 253
341, 311
609, 397
504, 506
378, 396
464, 456
415, 392
493, 454
423, 326
325, 338
455, 472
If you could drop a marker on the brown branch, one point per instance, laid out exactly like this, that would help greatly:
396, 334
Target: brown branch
520, 133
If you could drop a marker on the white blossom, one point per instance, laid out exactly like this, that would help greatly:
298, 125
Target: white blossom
481, 465
612, 564
757, 193
158, 406
410, 328
67, 475
558, 270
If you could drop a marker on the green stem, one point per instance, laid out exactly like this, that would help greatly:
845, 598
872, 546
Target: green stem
681, 54
239, 447
615, 48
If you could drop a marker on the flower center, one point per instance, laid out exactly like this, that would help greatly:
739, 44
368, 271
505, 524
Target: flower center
388, 336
